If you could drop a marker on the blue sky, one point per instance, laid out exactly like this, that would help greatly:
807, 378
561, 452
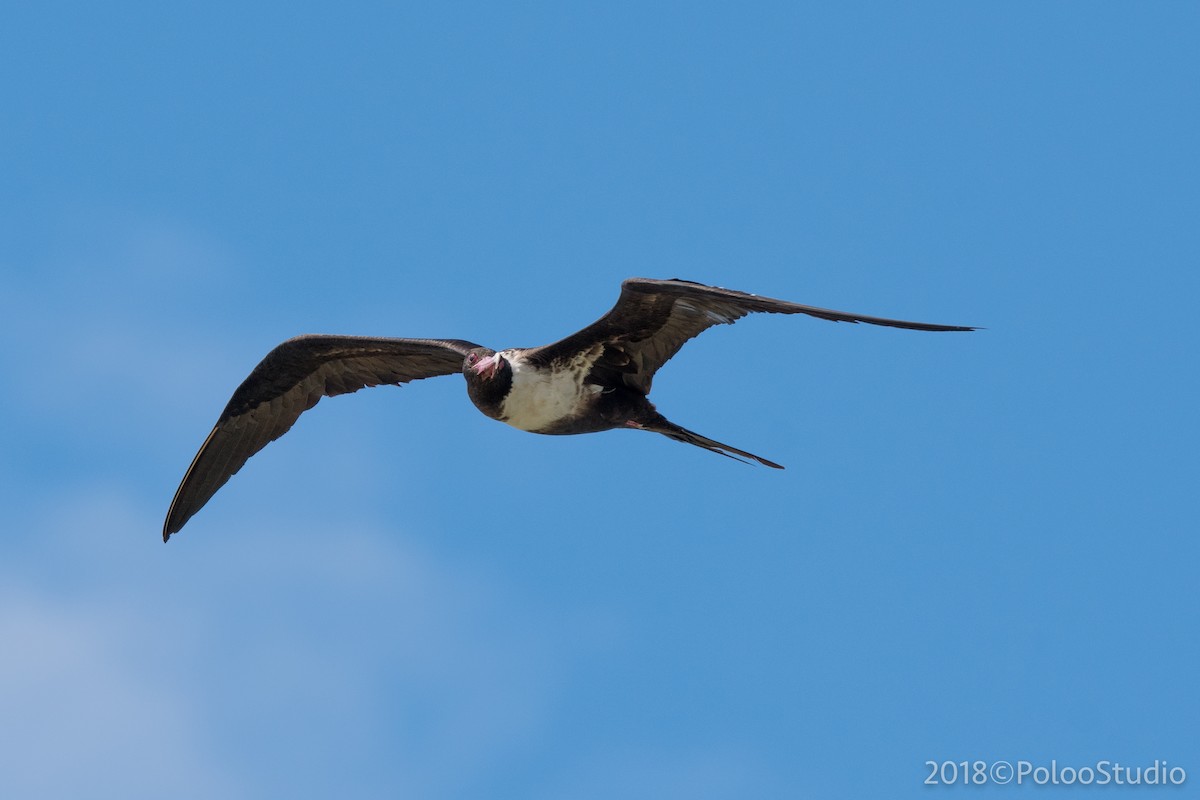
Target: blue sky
983, 547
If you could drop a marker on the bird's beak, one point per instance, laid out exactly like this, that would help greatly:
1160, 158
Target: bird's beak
487, 367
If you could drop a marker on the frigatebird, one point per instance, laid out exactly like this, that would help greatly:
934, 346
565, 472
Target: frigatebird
594, 380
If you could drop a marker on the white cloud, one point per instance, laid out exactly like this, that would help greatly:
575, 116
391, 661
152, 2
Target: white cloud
255, 664
83, 718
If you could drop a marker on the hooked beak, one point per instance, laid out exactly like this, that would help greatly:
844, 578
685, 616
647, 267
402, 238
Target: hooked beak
487, 367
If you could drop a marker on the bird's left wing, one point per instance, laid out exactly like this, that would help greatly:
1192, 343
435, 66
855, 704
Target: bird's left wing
288, 382
654, 318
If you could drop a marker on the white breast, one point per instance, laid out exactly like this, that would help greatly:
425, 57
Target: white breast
540, 398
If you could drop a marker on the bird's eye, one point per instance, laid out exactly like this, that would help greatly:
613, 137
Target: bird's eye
472, 358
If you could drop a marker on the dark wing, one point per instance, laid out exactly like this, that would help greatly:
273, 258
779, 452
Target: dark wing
288, 382
653, 319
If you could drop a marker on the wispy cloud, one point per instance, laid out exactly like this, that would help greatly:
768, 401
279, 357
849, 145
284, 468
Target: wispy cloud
83, 716
134, 669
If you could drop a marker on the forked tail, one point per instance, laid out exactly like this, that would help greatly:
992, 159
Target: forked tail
680, 434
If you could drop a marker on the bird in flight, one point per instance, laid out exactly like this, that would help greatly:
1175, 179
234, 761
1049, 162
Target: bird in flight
594, 380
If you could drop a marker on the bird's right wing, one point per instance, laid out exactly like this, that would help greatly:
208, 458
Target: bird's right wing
288, 382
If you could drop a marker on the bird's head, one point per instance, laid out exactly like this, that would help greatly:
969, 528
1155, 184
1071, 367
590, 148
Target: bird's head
489, 377
483, 363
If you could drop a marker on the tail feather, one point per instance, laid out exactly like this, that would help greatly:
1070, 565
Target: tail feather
681, 434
